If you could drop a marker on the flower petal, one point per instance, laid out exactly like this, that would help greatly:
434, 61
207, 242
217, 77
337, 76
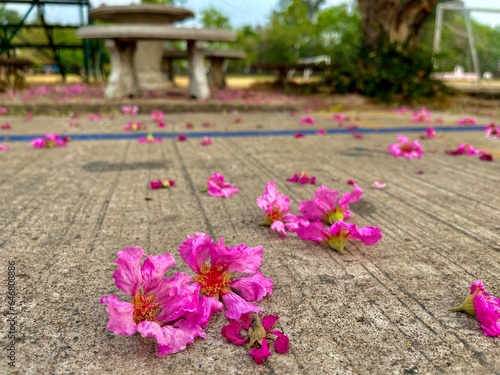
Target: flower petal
268, 321
128, 276
254, 287
236, 306
206, 308
195, 250
282, 343
315, 231
153, 270
368, 235
261, 354
488, 314
241, 258
232, 332
121, 320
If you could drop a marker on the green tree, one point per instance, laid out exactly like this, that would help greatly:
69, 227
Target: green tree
164, 2
213, 18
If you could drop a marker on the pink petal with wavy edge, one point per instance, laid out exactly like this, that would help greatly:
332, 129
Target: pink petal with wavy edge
272, 198
178, 297
279, 227
368, 235
282, 343
315, 231
261, 354
195, 250
171, 339
236, 306
268, 321
352, 197
488, 314
241, 258
207, 307
232, 332
153, 270
292, 222
155, 184
128, 275
254, 287
479, 286
38, 143
121, 320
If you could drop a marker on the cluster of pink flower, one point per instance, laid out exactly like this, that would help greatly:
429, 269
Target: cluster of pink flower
302, 178
484, 307
467, 149
323, 217
176, 310
50, 141
5, 126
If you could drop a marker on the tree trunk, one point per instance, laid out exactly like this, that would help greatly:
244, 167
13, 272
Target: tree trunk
397, 21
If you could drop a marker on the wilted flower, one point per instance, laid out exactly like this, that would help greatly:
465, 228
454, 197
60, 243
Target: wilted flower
299, 135
181, 138
159, 305
134, 126
486, 308
302, 178
161, 184
338, 234
464, 149
308, 120
276, 207
257, 336
216, 267
406, 149
218, 187
325, 208
492, 130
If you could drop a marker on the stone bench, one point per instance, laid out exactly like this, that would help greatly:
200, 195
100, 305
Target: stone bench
122, 46
282, 68
216, 57
14, 70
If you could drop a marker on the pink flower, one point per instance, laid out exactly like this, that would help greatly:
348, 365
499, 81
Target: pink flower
321, 132
338, 234
189, 125
276, 207
134, 126
467, 121
257, 335
130, 110
217, 187
161, 124
50, 141
351, 182
421, 116
379, 185
181, 138
3, 148
402, 110
149, 139
6, 126
231, 274
464, 149
302, 178
299, 135
325, 208
206, 141
308, 120
94, 117
159, 305
161, 184
74, 124
486, 157
340, 117
3, 111
406, 149
486, 308
492, 130
430, 133
157, 115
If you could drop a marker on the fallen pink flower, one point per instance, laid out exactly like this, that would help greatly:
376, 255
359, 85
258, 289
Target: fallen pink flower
3, 148
74, 124
130, 110
157, 115
438, 120
467, 121
340, 117
299, 135
321, 132
222, 273
3, 111
486, 157
257, 335
94, 117
6, 126
464, 149
150, 139
406, 149
218, 187
421, 116
189, 125
351, 182
302, 178
206, 141
159, 306
325, 208
161, 184
379, 185
134, 126
181, 138
338, 234
492, 130
50, 141
308, 120
486, 308
161, 124
276, 207
430, 133
402, 110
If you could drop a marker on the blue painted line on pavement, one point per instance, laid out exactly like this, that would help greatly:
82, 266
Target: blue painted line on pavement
243, 133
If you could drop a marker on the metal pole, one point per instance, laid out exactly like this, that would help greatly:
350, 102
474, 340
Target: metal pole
472, 44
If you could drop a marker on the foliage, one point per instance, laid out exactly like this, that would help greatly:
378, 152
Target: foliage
213, 18
164, 2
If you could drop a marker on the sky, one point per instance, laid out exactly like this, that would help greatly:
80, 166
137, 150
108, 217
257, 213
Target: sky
242, 12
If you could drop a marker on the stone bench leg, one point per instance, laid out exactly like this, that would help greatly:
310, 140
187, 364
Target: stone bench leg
122, 81
148, 60
217, 76
198, 83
